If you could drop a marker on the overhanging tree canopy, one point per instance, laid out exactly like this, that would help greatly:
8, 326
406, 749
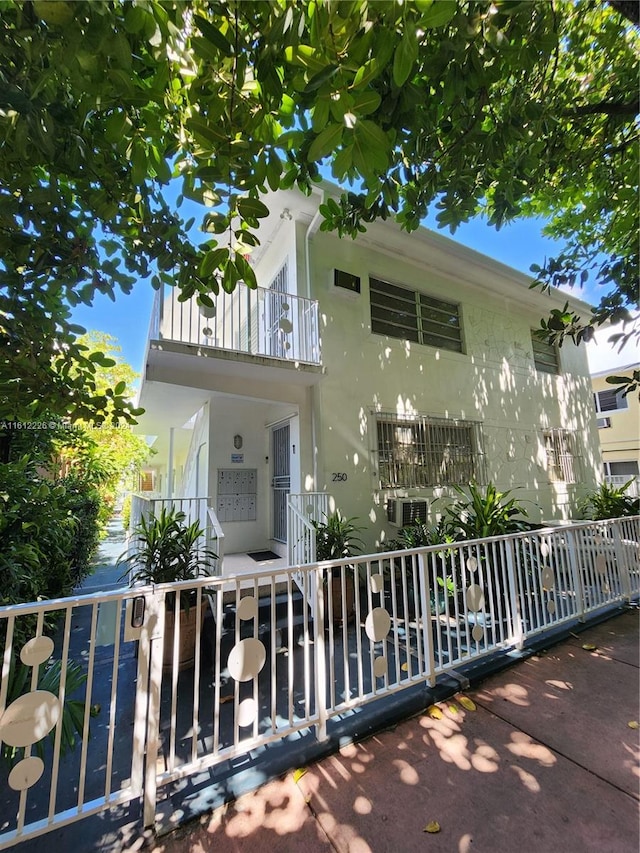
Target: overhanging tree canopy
506, 108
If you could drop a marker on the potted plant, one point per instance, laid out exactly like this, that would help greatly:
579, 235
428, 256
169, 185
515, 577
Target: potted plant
336, 537
168, 550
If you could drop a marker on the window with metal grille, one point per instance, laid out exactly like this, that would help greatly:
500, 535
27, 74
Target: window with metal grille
610, 401
421, 451
545, 355
411, 316
561, 456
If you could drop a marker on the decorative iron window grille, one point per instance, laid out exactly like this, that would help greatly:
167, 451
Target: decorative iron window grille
545, 355
562, 459
411, 316
422, 451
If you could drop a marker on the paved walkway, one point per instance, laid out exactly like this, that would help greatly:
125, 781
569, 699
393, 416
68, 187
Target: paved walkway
545, 762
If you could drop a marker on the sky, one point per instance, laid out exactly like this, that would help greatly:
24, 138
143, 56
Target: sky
518, 244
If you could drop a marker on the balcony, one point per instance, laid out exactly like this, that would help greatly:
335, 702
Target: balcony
279, 331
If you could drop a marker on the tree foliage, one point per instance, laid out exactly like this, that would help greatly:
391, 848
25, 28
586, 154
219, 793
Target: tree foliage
506, 108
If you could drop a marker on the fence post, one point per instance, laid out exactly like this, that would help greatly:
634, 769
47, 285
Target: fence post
425, 616
621, 561
517, 631
146, 730
578, 586
320, 666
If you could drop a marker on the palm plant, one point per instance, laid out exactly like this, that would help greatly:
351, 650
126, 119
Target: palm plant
610, 502
482, 514
336, 537
167, 550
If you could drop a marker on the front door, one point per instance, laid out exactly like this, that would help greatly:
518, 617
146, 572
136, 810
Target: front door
281, 481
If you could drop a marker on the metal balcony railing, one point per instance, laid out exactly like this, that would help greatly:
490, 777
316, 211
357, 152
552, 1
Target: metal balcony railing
260, 322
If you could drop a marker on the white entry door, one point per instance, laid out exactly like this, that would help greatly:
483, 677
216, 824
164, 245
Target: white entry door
281, 480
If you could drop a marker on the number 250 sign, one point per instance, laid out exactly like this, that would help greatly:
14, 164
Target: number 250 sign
339, 477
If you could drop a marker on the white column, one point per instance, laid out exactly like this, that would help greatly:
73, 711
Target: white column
170, 466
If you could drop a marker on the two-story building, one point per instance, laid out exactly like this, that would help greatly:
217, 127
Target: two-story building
382, 371
618, 419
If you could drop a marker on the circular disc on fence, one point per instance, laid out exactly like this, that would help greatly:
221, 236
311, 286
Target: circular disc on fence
477, 633
377, 583
248, 607
246, 659
601, 564
380, 667
247, 712
377, 624
286, 325
475, 597
551, 607
548, 580
472, 564
207, 332
36, 651
26, 773
544, 549
29, 718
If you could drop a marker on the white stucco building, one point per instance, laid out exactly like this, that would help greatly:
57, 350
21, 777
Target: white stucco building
394, 366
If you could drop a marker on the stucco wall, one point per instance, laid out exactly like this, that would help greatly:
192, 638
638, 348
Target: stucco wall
494, 382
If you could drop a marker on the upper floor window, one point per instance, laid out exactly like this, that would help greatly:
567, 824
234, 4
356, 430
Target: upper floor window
420, 451
561, 456
545, 355
610, 400
412, 316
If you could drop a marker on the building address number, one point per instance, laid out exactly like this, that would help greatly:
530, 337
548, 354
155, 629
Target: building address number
339, 476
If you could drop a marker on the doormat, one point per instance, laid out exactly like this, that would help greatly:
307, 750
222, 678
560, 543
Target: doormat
260, 556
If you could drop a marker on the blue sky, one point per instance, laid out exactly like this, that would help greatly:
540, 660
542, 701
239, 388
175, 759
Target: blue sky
518, 244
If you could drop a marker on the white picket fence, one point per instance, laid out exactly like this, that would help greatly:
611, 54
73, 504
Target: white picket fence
264, 669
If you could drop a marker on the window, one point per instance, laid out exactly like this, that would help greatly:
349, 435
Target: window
610, 401
561, 456
411, 316
603, 423
621, 469
545, 355
421, 451
346, 280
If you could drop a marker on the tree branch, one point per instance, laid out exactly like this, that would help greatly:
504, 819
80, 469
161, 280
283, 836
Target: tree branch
609, 108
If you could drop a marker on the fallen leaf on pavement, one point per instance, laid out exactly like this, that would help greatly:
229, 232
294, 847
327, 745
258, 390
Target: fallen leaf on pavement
434, 712
467, 704
453, 708
633, 724
589, 647
299, 773
432, 826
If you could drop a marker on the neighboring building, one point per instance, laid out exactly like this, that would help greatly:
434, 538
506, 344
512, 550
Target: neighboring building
394, 366
618, 420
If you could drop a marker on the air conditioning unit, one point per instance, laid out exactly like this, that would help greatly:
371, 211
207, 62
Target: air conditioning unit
404, 511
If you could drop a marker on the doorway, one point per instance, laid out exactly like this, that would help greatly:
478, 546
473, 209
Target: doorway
280, 481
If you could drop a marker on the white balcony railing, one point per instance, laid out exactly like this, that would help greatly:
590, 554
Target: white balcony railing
259, 322
619, 480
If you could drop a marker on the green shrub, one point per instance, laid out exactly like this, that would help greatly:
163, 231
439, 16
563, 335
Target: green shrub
482, 514
336, 537
610, 502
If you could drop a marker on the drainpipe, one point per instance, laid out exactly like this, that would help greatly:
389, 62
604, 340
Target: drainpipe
315, 395
170, 466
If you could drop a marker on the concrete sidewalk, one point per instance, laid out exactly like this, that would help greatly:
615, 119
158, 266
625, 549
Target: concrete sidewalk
545, 762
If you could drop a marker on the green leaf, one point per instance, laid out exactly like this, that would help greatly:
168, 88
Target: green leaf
252, 208
208, 131
325, 142
367, 72
365, 103
120, 388
436, 13
321, 78
213, 35
370, 151
405, 56
212, 261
